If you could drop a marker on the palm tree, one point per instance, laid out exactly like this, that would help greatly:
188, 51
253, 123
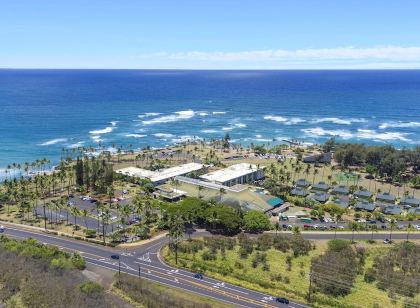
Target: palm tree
410, 228
374, 228
296, 230
85, 214
277, 226
176, 232
222, 191
106, 216
75, 212
353, 226
392, 225
200, 188
110, 194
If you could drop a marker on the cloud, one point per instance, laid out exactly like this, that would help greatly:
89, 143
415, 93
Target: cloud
346, 57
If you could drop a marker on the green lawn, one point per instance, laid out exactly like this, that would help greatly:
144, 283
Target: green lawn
280, 281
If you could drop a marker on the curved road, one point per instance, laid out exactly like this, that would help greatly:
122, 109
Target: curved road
146, 260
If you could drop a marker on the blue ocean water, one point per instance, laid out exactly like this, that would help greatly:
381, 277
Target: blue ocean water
43, 111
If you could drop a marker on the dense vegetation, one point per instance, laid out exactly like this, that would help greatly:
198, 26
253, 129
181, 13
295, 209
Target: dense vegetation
334, 272
385, 161
397, 271
36, 275
217, 218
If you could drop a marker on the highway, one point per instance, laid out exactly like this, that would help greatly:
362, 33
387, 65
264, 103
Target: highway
146, 259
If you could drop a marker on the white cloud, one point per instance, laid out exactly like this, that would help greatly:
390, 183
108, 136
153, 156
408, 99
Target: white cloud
339, 57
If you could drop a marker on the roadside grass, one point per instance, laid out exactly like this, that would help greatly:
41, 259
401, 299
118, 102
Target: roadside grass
144, 293
280, 281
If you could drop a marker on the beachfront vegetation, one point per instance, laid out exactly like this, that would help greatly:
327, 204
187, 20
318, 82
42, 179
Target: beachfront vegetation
321, 274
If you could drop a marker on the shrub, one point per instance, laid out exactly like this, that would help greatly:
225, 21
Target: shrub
90, 288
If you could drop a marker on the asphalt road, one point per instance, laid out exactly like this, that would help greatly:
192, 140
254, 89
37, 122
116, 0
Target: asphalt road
146, 260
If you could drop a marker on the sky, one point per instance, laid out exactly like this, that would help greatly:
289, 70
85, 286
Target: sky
210, 34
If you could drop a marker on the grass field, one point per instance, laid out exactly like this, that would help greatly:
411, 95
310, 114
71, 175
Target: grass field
280, 281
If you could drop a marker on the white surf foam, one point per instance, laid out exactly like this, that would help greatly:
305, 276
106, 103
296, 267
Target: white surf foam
135, 135
163, 135
76, 145
106, 130
148, 114
275, 118
320, 132
399, 125
54, 141
185, 138
209, 131
339, 120
383, 136
113, 123
176, 116
218, 112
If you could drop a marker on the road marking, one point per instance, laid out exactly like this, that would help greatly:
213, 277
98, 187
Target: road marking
173, 286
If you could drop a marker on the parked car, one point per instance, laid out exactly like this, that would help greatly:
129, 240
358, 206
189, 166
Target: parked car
1, 229
307, 227
387, 241
282, 300
383, 226
372, 222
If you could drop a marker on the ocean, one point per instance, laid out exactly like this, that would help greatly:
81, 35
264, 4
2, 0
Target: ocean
43, 111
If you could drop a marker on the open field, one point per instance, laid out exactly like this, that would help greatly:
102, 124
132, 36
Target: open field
281, 280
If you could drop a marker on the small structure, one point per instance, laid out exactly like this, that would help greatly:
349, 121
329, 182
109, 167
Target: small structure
323, 158
272, 200
365, 205
341, 190
386, 197
320, 197
415, 211
300, 192
279, 209
303, 183
392, 210
168, 193
235, 174
161, 176
411, 201
340, 202
320, 186
363, 193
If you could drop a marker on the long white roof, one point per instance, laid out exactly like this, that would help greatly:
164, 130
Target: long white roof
162, 174
230, 173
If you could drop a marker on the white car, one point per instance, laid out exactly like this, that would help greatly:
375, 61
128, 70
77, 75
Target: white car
1, 229
417, 227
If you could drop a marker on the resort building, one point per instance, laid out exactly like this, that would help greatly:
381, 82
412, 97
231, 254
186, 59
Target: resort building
386, 197
168, 193
320, 197
158, 177
300, 192
364, 205
363, 193
410, 201
323, 158
235, 174
392, 210
320, 186
341, 190
303, 183
340, 202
